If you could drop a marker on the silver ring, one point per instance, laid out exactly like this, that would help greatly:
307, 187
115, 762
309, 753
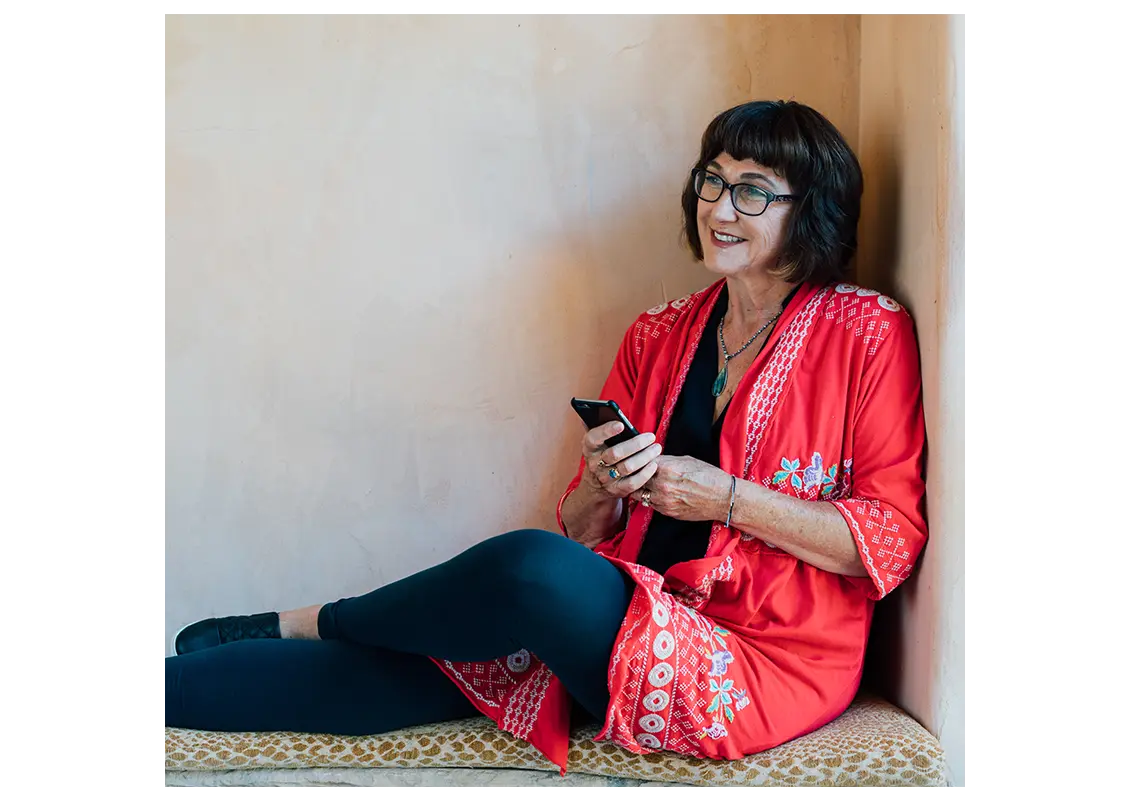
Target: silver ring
645, 498
613, 474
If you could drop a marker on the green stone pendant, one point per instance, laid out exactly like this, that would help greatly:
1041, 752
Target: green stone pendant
720, 381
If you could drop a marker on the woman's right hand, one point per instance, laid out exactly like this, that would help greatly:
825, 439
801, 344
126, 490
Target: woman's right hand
633, 460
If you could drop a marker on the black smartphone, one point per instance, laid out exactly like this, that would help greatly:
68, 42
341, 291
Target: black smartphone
595, 413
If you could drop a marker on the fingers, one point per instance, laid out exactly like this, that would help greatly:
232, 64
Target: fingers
616, 454
602, 471
626, 458
632, 483
593, 441
637, 462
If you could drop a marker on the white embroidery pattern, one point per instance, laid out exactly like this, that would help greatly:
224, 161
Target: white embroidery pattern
696, 596
518, 662
471, 685
850, 514
657, 700
620, 727
524, 705
771, 381
853, 309
661, 674
849, 288
628, 634
656, 684
682, 727
892, 548
663, 318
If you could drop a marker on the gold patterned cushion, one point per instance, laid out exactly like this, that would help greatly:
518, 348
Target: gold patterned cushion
873, 743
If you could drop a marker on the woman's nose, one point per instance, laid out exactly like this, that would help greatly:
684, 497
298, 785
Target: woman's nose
723, 208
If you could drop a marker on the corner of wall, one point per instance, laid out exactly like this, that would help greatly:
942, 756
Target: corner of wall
911, 91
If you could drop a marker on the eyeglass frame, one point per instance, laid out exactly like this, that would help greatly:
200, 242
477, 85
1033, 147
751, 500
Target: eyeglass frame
770, 197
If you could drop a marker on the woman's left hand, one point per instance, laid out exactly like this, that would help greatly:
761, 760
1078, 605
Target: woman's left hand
687, 489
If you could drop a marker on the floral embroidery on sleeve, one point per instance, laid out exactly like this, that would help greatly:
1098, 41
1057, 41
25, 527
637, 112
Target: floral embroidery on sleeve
790, 471
814, 481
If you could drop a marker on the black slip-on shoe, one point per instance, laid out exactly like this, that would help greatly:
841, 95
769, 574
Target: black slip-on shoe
214, 631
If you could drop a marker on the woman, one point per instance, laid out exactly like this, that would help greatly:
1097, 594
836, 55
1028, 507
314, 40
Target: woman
713, 591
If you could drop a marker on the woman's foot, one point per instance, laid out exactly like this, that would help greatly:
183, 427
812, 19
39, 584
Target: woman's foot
214, 631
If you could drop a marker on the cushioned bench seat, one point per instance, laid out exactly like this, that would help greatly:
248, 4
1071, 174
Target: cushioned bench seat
872, 744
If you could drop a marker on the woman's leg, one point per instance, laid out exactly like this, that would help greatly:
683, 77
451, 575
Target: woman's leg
307, 686
528, 589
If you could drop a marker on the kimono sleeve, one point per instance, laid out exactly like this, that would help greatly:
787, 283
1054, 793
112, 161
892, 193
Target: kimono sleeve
619, 386
885, 509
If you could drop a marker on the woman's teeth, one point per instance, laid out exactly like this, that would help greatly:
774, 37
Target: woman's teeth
724, 238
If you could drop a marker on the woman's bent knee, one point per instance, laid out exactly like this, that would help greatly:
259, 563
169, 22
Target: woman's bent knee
529, 547
514, 544
535, 560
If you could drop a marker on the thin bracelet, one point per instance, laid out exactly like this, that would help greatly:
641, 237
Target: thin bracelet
733, 486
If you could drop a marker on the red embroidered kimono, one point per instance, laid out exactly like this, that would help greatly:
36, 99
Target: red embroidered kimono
749, 647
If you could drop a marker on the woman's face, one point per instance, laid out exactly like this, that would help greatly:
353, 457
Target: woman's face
719, 223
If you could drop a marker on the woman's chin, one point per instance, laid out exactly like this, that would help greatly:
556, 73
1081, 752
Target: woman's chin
724, 267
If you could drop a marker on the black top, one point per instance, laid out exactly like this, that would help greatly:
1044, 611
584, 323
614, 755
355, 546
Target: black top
692, 433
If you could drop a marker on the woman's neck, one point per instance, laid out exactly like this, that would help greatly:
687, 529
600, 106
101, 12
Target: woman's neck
753, 300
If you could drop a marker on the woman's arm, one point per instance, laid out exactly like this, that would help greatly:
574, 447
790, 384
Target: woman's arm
689, 489
812, 531
590, 516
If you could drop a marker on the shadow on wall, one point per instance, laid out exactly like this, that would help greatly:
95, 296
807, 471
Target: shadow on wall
875, 265
880, 220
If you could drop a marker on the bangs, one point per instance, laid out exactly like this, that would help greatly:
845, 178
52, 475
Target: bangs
766, 133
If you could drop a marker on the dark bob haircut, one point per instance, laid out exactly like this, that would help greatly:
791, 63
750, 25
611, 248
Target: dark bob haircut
803, 147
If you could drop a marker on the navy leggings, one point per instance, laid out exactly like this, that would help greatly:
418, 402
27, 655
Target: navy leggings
370, 673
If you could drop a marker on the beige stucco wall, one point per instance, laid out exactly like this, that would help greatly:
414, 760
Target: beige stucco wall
396, 246
912, 244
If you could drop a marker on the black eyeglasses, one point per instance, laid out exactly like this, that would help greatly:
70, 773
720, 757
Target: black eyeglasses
747, 199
